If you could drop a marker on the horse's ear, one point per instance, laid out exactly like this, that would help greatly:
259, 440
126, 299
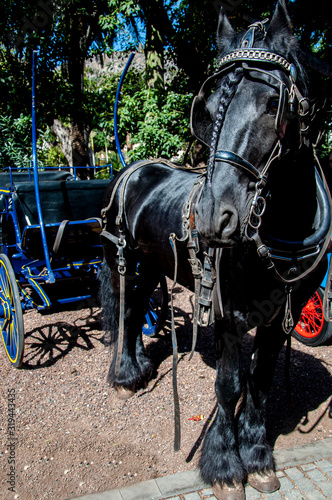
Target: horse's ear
280, 33
225, 33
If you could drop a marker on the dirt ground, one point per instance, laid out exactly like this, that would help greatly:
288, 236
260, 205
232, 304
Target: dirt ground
72, 436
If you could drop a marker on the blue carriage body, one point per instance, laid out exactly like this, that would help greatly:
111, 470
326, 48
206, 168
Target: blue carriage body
50, 245
68, 247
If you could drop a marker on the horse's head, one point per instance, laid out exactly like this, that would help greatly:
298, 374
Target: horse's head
251, 115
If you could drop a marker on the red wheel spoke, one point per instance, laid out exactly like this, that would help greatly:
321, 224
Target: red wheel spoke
311, 320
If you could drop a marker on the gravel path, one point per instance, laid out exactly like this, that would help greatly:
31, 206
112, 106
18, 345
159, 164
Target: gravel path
72, 436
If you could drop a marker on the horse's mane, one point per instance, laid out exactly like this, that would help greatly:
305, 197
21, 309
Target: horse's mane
230, 83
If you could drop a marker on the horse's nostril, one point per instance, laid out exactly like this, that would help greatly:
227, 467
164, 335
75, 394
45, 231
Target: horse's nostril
229, 220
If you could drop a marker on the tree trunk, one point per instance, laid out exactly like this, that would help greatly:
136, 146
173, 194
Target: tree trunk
64, 135
79, 129
79, 141
154, 45
154, 52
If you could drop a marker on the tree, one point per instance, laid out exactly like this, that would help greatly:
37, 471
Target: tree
66, 33
14, 151
177, 26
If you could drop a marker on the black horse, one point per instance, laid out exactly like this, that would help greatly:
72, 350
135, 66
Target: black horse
252, 230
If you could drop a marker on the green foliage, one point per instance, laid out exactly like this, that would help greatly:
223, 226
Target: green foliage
16, 144
100, 92
153, 125
68, 32
48, 149
15, 141
106, 171
158, 125
122, 18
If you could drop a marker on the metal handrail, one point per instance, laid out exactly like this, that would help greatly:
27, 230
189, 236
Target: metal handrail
51, 278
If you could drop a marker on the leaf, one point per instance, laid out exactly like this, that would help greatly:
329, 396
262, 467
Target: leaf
196, 418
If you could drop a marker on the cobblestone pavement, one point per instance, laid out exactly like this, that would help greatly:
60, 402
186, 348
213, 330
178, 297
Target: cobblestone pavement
305, 473
311, 481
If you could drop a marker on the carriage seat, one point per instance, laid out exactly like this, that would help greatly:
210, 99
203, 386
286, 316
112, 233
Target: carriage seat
45, 176
75, 202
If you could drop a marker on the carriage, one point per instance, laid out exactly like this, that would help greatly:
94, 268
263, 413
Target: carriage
312, 329
50, 248
51, 256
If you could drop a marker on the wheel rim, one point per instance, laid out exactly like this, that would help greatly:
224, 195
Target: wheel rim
311, 321
11, 319
156, 313
151, 319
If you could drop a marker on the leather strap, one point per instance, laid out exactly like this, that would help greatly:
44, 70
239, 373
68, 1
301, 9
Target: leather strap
177, 422
196, 269
120, 243
237, 161
217, 299
59, 236
121, 325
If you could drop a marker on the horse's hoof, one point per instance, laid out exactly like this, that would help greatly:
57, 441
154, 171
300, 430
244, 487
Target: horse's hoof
266, 482
124, 393
225, 492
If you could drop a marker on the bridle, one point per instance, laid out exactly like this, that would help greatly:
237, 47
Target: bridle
289, 95
254, 60
292, 104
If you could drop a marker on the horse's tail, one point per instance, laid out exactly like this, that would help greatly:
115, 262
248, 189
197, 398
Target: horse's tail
109, 306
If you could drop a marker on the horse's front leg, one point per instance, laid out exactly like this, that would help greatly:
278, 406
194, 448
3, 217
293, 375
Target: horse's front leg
256, 454
220, 460
131, 369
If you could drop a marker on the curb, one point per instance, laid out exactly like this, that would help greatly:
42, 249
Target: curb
185, 482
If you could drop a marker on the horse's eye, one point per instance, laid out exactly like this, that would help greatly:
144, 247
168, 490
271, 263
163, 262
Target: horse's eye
272, 106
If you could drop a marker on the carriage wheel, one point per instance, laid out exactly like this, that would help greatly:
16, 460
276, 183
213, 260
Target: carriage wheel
312, 329
11, 316
157, 311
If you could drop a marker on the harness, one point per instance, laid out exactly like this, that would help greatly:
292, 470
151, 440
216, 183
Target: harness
204, 300
206, 274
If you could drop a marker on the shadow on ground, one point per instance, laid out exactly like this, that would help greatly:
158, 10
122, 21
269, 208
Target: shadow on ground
45, 345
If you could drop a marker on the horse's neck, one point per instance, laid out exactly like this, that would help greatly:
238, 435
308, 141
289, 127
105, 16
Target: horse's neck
292, 205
